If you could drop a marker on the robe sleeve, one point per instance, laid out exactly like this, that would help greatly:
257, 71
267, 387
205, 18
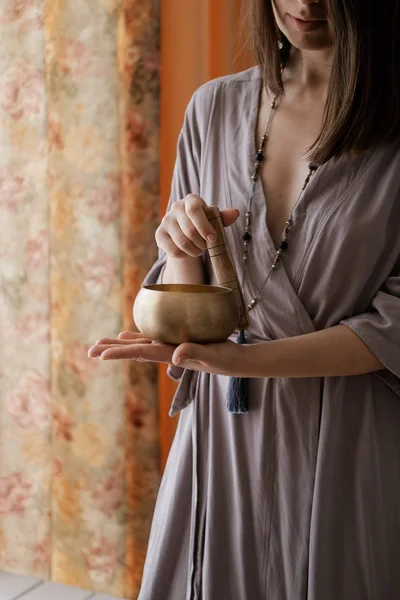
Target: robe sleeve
379, 328
186, 180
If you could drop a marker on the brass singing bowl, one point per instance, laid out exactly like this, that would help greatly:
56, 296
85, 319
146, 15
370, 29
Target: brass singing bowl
178, 313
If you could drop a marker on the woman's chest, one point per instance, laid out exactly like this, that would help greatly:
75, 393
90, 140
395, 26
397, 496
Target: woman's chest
344, 226
284, 169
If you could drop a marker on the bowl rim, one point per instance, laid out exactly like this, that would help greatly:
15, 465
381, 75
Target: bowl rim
215, 289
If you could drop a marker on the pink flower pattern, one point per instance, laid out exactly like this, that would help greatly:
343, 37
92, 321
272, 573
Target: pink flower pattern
29, 403
41, 553
37, 251
12, 188
74, 58
78, 361
34, 325
105, 203
20, 10
101, 558
15, 494
62, 424
110, 494
22, 91
98, 270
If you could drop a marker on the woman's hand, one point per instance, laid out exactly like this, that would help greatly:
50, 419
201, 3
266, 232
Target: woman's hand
226, 358
185, 228
134, 346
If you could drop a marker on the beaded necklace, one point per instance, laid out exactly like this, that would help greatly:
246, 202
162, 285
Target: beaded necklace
283, 245
238, 387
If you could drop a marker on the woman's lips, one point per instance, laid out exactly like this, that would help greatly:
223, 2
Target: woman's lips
302, 25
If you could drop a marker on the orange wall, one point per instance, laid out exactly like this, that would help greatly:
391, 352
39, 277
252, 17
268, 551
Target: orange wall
198, 43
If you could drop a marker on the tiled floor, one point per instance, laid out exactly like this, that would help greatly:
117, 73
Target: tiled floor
14, 587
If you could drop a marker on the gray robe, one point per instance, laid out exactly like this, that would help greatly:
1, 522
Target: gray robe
299, 499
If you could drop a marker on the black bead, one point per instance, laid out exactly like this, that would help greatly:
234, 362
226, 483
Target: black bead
283, 245
246, 237
259, 157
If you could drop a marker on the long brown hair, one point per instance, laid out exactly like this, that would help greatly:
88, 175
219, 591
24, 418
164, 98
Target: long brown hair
363, 105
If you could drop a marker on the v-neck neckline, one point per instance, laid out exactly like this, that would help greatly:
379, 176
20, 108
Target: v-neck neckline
260, 197
237, 140
234, 175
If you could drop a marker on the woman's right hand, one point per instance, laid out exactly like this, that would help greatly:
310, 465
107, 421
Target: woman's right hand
185, 228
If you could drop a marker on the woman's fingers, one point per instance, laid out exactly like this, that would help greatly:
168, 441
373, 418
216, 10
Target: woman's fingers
185, 228
96, 350
190, 231
165, 242
104, 343
183, 243
160, 353
139, 338
194, 207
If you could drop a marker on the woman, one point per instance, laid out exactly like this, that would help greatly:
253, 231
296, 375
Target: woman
300, 497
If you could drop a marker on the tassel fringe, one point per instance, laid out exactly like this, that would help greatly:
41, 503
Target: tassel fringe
238, 390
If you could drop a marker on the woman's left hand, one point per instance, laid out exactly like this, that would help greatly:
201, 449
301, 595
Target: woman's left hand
226, 358
333, 352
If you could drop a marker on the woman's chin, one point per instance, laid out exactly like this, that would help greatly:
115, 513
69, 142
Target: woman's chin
309, 41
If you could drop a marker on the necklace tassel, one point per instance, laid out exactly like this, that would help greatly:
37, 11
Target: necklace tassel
238, 389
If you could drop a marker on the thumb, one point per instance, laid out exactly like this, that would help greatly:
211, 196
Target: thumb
186, 353
229, 216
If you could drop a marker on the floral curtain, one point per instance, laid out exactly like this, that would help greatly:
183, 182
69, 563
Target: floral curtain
79, 451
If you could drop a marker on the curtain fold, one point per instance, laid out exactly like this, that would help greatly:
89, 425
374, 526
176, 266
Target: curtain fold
79, 201
25, 390
139, 65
